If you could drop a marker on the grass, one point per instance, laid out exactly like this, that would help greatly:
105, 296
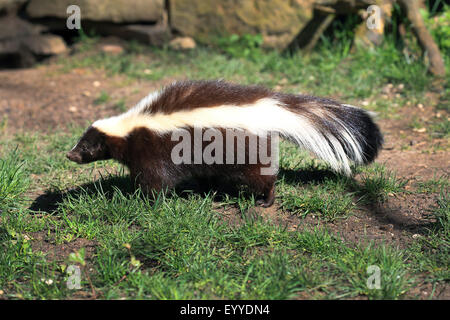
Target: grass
377, 183
325, 72
441, 129
120, 106
182, 248
102, 98
434, 185
196, 246
324, 202
430, 252
13, 181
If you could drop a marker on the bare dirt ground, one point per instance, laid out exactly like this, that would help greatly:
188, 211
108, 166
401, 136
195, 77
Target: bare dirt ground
44, 98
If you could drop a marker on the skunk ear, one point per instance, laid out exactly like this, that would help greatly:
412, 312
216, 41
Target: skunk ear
117, 147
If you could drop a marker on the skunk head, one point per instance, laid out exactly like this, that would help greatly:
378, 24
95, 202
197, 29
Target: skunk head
91, 147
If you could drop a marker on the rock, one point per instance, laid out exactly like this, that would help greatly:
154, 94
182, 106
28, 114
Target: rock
276, 41
155, 35
277, 20
119, 11
21, 42
141, 20
45, 44
182, 43
112, 48
344, 6
11, 6
12, 27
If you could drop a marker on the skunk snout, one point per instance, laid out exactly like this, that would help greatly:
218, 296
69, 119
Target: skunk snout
74, 156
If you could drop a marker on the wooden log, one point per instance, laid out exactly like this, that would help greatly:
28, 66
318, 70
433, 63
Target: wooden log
307, 39
425, 39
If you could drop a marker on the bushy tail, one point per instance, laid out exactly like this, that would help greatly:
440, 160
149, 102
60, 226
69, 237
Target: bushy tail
338, 133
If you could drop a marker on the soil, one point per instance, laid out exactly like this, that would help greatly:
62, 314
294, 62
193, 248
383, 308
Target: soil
46, 98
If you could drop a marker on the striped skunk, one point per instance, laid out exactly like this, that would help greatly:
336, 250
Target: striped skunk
147, 137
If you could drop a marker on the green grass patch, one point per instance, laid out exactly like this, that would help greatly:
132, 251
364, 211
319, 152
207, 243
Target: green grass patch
120, 105
441, 129
322, 201
377, 183
182, 247
430, 252
434, 185
185, 250
14, 181
102, 98
327, 72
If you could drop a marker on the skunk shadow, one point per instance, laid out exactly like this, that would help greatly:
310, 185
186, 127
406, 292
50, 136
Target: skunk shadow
381, 212
387, 214
306, 176
50, 200
384, 213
